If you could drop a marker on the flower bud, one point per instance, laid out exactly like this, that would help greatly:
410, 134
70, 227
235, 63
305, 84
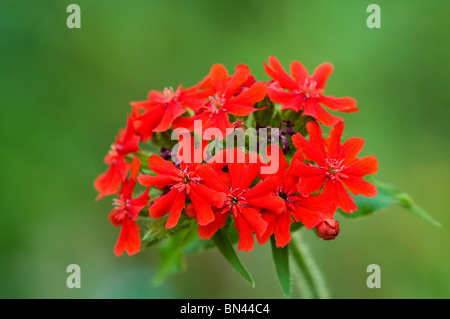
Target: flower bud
239, 124
328, 229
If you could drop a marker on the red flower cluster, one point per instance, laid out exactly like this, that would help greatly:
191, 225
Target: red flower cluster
310, 182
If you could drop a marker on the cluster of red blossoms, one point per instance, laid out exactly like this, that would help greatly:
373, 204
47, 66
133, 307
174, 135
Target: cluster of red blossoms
311, 182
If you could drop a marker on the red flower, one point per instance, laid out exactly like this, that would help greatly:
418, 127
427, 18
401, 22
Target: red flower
188, 181
162, 108
229, 98
337, 170
306, 92
126, 212
127, 142
309, 210
244, 203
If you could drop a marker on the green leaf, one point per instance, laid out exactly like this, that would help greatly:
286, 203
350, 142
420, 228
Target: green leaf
196, 244
156, 231
222, 242
264, 117
281, 260
164, 139
388, 195
297, 119
172, 260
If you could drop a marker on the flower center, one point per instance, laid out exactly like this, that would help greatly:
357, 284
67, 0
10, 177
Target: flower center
308, 89
169, 95
309, 86
282, 193
185, 177
216, 103
234, 197
334, 168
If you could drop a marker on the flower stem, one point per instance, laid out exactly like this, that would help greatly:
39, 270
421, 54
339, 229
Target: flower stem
313, 283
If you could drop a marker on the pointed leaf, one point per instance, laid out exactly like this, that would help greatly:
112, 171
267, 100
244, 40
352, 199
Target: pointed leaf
172, 259
281, 260
222, 242
156, 231
388, 195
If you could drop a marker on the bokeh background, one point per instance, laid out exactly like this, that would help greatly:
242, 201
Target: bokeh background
66, 92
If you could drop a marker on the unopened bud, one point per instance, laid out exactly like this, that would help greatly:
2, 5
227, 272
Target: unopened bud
328, 229
239, 124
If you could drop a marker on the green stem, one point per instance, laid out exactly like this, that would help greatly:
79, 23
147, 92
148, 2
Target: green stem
313, 285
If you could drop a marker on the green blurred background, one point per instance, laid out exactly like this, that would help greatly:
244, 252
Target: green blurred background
66, 92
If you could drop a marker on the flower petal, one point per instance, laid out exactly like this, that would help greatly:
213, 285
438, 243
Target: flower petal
276, 72
321, 74
129, 238
358, 186
162, 167
342, 104
236, 81
175, 211
272, 203
203, 210
219, 77
350, 149
253, 218
157, 181
246, 239
313, 108
340, 196
162, 205
362, 166
212, 197
299, 72
207, 231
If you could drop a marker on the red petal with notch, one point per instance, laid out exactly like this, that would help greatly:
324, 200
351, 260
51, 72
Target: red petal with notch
218, 76
207, 231
157, 181
321, 74
350, 149
272, 203
162, 205
299, 72
162, 167
362, 166
246, 240
175, 211
358, 186
203, 210
340, 196
313, 108
212, 197
276, 72
343, 104
236, 81
309, 152
253, 218
129, 238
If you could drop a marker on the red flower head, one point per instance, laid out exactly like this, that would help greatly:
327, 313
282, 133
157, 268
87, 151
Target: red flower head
337, 170
190, 180
328, 229
127, 142
306, 92
309, 210
162, 108
126, 212
243, 203
229, 98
